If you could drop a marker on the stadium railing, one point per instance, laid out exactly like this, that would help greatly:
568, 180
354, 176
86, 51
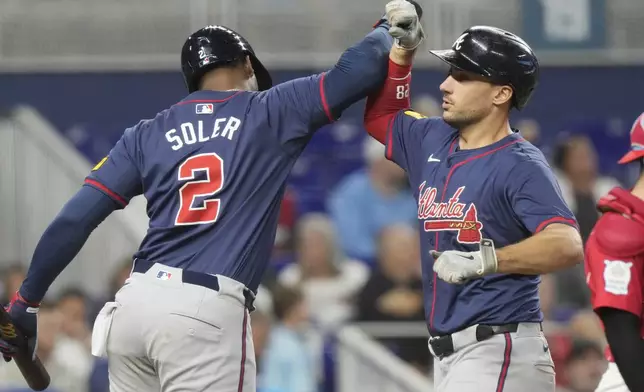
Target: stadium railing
365, 365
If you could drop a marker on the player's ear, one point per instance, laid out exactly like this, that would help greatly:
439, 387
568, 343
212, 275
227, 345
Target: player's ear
248, 68
502, 95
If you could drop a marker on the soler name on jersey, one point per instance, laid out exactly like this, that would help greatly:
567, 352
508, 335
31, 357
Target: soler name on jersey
191, 133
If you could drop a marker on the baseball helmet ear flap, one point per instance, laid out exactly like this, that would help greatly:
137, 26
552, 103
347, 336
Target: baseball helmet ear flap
264, 80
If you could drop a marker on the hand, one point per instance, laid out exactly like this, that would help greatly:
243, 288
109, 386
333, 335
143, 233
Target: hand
405, 24
25, 318
458, 267
384, 22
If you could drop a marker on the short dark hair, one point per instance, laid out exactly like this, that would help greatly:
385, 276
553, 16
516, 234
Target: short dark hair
71, 293
581, 347
285, 299
564, 146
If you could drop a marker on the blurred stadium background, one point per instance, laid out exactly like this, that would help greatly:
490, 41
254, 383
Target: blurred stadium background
74, 74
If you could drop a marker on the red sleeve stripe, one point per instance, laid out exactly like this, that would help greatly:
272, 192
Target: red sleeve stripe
32, 304
325, 104
390, 137
107, 191
556, 219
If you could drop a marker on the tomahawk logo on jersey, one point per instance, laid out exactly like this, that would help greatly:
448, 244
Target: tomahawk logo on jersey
191, 159
505, 192
450, 215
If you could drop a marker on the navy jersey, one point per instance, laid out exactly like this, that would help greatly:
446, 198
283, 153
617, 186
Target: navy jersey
505, 192
213, 169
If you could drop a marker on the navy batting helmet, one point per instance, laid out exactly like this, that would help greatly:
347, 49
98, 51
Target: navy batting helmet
214, 46
500, 56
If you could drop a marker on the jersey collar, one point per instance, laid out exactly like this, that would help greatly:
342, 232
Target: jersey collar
210, 95
509, 139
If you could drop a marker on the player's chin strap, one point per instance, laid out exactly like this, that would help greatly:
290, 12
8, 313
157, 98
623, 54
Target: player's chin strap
489, 263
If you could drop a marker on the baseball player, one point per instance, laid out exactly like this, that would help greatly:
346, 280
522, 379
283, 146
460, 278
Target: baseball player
490, 212
615, 274
213, 169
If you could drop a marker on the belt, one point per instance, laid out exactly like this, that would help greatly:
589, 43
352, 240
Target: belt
443, 346
198, 279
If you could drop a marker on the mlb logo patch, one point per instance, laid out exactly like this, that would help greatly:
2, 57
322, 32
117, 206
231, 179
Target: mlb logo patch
205, 108
162, 275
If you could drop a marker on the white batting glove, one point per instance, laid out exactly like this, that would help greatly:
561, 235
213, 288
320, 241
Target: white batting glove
454, 266
405, 25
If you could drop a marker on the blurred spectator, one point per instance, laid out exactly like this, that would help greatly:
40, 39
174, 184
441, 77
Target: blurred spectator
261, 320
99, 379
529, 129
74, 338
288, 365
576, 163
59, 360
286, 223
394, 291
583, 367
428, 105
119, 278
547, 296
12, 279
586, 324
329, 281
367, 201
261, 327
116, 282
72, 304
553, 310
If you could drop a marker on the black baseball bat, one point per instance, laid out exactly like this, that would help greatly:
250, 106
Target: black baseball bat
33, 371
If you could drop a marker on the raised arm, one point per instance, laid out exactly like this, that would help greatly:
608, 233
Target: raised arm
383, 105
297, 108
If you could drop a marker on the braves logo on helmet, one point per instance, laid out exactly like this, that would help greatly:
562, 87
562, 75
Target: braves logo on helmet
449, 216
459, 41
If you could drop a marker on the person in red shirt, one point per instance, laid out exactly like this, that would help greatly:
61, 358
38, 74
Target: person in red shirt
614, 261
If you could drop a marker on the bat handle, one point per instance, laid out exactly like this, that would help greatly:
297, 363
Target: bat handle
34, 372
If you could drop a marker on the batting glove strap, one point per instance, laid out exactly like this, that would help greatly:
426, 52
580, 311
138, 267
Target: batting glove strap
489, 263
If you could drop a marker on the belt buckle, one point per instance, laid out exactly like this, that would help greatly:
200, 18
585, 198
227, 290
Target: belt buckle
484, 332
439, 344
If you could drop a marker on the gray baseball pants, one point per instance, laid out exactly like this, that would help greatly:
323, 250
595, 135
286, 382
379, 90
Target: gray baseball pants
162, 334
509, 362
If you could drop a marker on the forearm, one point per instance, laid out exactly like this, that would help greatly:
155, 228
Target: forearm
552, 249
401, 56
626, 345
360, 70
383, 106
63, 239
